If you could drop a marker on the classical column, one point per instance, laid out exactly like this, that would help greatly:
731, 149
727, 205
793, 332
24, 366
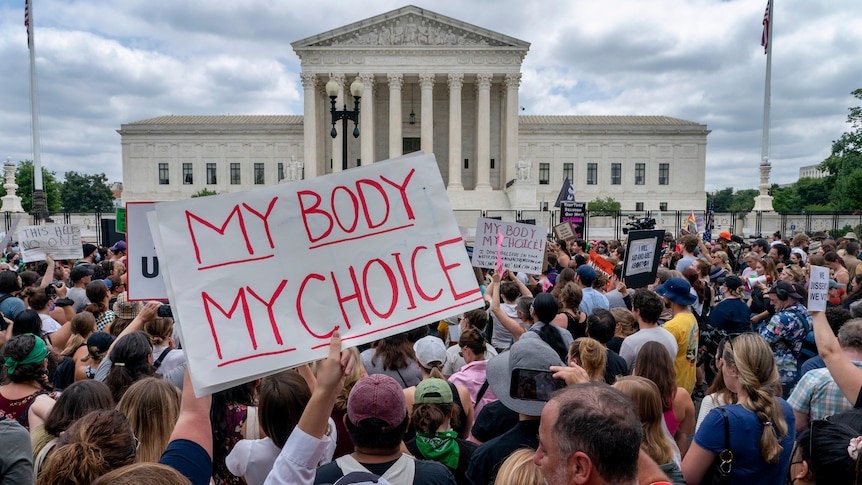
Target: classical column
366, 115
309, 124
456, 80
336, 142
510, 151
483, 132
395, 144
426, 83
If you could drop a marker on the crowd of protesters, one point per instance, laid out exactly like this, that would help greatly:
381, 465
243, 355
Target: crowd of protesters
716, 372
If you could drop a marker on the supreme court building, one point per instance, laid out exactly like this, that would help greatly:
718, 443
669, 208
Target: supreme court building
431, 83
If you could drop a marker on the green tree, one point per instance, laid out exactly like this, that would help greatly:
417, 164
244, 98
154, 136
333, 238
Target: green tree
845, 162
603, 207
786, 199
742, 200
204, 193
26, 186
722, 199
86, 193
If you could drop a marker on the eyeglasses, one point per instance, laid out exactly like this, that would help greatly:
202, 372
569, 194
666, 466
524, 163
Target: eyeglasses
727, 339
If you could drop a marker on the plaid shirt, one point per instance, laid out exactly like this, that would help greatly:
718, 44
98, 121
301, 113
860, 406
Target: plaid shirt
785, 332
818, 396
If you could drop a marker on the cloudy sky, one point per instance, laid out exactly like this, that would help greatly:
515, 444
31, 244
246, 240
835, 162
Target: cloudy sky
101, 64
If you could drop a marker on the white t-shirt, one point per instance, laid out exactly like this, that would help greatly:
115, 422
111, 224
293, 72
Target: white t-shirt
49, 325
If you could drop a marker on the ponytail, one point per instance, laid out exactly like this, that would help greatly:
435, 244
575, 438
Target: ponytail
552, 337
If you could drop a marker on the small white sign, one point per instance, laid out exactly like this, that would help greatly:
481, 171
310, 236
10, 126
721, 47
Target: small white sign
818, 289
641, 253
60, 241
520, 247
145, 277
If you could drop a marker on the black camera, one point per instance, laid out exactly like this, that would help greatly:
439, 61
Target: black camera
164, 311
643, 224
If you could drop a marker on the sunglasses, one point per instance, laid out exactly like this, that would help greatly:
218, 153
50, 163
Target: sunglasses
728, 340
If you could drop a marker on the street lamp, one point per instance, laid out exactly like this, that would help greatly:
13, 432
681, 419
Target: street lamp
332, 89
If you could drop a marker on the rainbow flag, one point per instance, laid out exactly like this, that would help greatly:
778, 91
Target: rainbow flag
690, 223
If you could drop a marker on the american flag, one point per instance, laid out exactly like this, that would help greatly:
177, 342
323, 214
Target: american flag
27, 20
707, 230
764, 37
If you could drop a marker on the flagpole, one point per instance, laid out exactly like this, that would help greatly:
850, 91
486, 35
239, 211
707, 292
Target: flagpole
40, 207
763, 202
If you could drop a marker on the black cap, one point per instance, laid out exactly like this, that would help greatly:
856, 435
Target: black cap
732, 282
79, 272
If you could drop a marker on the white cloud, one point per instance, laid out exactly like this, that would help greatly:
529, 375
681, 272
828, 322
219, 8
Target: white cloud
102, 64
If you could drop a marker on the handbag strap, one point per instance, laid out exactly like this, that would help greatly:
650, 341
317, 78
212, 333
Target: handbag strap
726, 428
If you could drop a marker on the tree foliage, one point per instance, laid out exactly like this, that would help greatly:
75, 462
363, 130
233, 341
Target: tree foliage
86, 193
726, 200
603, 207
844, 163
26, 186
204, 193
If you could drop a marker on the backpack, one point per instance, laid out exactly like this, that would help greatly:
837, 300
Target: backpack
64, 375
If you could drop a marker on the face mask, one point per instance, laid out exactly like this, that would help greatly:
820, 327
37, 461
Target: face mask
600, 250
14, 249
98, 257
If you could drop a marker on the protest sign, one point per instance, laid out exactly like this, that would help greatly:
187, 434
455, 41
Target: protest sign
574, 212
564, 231
818, 289
643, 254
520, 247
259, 280
60, 241
145, 280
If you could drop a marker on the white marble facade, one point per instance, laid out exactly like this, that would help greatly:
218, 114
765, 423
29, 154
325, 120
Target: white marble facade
461, 83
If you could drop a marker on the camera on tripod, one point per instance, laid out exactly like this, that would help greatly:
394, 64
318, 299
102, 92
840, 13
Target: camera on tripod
642, 224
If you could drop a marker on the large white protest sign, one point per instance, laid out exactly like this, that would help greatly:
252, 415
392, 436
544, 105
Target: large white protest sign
60, 241
818, 289
521, 247
145, 277
260, 280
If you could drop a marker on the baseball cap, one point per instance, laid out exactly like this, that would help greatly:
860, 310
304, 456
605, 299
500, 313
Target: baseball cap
724, 235
732, 282
119, 246
587, 274
80, 272
783, 286
433, 391
377, 396
99, 342
429, 349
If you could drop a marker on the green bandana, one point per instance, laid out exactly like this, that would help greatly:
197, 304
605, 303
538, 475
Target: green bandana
440, 446
38, 354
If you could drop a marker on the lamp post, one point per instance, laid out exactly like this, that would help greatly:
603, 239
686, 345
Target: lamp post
332, 89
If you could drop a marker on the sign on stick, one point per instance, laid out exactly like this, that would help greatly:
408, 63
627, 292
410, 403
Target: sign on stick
60, 241
260, 280
818, 289
643, 254
520, 247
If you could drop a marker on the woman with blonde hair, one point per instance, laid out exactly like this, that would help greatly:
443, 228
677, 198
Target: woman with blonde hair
152, 406
343, 445
97, 443
656, 442
137, 473
165, 356
626, 325
82, 326
591, 355
520, 469
760, 429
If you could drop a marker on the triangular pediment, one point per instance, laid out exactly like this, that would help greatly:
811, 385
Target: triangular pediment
410, 27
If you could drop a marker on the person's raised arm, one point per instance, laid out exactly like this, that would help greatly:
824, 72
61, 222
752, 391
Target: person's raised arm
297, 462
846, 375
521, 286
48, 278
515, 328
148, 312
190, 449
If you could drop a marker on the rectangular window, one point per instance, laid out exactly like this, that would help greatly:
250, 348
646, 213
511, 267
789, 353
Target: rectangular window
662, 206
493, 162
234, 174
211, 174
164, 178
616, 173
280, 172
664, 174
358, 162
466, 163
258, 174
639, 206
544, 173
640, 174
188, 178
569, 171
592, 173
410, 145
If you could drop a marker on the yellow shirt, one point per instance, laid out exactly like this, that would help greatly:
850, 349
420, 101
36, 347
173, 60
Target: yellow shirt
683, 327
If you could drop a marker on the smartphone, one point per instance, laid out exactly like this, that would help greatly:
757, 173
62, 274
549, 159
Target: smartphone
534, 384
164, 311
